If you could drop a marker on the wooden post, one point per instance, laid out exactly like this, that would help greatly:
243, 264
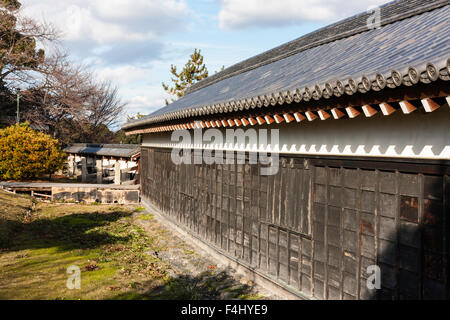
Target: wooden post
83, 169
99, 170
76, 171
71, 165
117, 172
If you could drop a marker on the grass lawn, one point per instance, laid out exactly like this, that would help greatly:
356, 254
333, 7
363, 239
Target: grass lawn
115, 248
37, 246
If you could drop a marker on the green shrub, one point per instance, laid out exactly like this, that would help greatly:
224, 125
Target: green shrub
26, 153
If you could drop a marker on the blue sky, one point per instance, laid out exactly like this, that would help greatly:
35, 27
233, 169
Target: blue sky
134, 42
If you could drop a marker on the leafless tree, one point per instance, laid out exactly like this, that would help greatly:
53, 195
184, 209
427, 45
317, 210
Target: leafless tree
58, 95
69, 93
20, 38
105, 105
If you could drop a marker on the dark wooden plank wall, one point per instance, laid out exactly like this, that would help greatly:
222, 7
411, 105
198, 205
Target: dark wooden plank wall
317, 224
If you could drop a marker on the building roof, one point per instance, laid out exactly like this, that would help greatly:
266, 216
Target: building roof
113, 150
411, 46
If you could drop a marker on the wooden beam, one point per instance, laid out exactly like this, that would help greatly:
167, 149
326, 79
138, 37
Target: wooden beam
429, 105
368, 110
245, 122
352, 112
299, 117
269, 119
288, 117
407, 107
337, 114
386, 108
323, 114
260, 120
278, 118
310, 115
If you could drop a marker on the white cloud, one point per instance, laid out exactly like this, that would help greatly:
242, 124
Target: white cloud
119, 31
236, 14
123, 75
104, 22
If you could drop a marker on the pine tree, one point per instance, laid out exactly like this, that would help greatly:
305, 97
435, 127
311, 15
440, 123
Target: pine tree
18, 49
194, 70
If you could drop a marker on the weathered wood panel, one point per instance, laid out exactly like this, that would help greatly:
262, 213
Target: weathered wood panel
317, 224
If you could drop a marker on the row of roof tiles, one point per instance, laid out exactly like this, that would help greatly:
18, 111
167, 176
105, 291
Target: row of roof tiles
407, 107
403, 53
426, 73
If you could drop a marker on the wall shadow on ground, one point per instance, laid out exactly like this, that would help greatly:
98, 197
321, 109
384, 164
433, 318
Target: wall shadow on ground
204, 286
72, 231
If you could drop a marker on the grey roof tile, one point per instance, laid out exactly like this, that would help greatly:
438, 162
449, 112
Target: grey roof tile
114, 150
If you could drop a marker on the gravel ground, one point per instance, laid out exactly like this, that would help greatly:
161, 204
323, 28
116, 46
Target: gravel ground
197, 275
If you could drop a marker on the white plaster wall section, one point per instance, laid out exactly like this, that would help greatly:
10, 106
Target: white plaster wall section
106, 162
418, 135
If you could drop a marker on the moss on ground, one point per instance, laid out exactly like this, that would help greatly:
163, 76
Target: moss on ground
101, 240
117, 258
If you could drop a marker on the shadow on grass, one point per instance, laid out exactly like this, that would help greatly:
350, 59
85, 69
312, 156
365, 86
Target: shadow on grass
205, 286
72, 231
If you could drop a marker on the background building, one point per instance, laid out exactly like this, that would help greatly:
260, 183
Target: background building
104, 163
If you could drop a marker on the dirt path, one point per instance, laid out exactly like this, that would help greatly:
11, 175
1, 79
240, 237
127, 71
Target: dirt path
196, 275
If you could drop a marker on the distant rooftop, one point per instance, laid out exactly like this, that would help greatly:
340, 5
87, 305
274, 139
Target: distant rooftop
113, 150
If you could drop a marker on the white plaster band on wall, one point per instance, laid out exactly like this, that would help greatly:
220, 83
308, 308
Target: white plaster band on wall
416, 135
